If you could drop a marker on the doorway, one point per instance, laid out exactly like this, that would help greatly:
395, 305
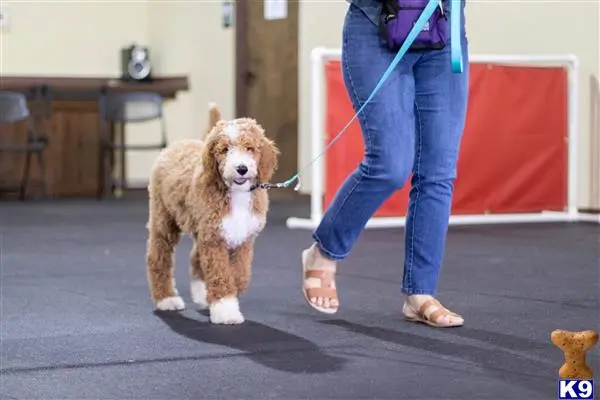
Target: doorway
267, 75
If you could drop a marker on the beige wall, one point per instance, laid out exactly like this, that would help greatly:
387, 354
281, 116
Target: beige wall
187, 38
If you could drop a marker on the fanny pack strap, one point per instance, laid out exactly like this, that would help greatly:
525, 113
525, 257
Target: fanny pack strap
457, 67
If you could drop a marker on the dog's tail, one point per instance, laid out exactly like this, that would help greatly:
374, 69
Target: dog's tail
214, 115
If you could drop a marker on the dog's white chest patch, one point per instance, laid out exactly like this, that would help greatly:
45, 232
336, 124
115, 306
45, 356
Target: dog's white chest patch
241, 222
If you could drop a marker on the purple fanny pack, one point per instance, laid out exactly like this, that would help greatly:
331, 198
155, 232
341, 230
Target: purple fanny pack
399, 16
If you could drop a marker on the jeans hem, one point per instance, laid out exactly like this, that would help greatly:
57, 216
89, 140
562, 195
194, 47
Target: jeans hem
410, 291
325, 252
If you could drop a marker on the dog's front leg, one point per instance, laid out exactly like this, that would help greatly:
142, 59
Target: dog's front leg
241, 264
219, 278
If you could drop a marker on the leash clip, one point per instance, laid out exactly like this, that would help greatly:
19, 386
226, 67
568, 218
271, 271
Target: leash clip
281, 185
266, 186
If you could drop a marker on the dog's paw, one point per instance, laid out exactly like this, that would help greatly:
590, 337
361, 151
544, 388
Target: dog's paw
198, 289
174, 303
226, 311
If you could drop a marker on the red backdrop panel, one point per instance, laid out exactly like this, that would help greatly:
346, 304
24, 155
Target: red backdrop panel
513, 156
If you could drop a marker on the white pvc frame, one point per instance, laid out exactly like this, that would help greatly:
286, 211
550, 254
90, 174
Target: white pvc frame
320, 56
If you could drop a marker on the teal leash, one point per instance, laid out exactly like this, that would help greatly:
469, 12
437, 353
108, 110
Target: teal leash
455, 37
457, 66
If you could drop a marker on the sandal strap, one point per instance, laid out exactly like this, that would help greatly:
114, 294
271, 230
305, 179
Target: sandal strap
449, 311
438, 311
325, 276
426, 305
321, 292
326, 289
433, 317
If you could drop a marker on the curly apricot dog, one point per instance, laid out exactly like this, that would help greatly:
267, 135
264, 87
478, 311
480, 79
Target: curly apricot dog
203, 188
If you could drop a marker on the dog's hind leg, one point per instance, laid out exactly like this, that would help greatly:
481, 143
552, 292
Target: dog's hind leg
197, 285
162, 239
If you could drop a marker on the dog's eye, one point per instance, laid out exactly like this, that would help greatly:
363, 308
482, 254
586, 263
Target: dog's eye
250, 149
223, 149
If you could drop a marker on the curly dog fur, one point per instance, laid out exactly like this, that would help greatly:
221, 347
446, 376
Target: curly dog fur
202, 188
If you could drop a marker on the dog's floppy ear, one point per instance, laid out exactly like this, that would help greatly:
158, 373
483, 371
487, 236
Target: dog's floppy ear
210, 164
268, 160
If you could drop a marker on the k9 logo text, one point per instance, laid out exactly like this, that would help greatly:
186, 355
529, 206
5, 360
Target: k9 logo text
575, 389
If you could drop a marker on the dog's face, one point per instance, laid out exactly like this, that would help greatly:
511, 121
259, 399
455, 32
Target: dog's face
239, 154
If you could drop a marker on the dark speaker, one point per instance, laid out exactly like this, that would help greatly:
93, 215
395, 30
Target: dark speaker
135, 63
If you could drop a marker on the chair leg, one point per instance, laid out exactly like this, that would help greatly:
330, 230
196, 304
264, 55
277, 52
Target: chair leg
25, 178
43, 173
101, 175
120, 185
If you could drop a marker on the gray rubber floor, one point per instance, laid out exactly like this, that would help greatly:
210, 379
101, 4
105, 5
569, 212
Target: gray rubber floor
77, 321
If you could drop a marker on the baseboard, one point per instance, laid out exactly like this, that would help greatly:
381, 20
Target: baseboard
589, 210
137, 184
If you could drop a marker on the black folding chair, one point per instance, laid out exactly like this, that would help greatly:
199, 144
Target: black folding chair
119, 108
14, 109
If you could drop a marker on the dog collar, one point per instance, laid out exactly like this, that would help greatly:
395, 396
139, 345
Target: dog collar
266, 186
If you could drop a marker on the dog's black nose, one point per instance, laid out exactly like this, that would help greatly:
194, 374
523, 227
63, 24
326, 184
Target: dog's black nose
242, 169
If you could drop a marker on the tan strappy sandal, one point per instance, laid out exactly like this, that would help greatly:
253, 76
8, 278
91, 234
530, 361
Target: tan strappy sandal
429, 313
326, 288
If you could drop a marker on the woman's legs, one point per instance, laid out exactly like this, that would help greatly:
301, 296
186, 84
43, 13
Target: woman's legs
440, 104
417, 118
388, 129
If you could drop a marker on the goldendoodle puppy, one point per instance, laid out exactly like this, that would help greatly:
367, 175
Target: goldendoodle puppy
205, 189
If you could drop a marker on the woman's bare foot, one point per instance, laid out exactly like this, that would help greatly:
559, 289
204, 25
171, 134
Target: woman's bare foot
426, 309
318, 274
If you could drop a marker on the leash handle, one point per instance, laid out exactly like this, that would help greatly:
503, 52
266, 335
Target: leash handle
455, 37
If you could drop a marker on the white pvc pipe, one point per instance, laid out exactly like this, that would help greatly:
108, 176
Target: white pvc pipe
455, 220
321, 55
333, 54
560, 59
573, 135
324, 54
317, 133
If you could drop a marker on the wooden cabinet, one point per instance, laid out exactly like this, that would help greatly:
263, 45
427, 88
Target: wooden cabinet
72, 126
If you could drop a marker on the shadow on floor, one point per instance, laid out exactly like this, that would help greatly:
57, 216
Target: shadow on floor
270, 347
529, 373
511, 342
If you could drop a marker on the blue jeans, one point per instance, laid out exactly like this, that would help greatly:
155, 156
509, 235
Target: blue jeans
413, 125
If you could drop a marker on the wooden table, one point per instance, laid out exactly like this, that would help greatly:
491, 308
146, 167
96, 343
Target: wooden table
72, 124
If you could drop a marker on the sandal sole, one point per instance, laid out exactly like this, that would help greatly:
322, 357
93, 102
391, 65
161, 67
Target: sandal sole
432, 324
